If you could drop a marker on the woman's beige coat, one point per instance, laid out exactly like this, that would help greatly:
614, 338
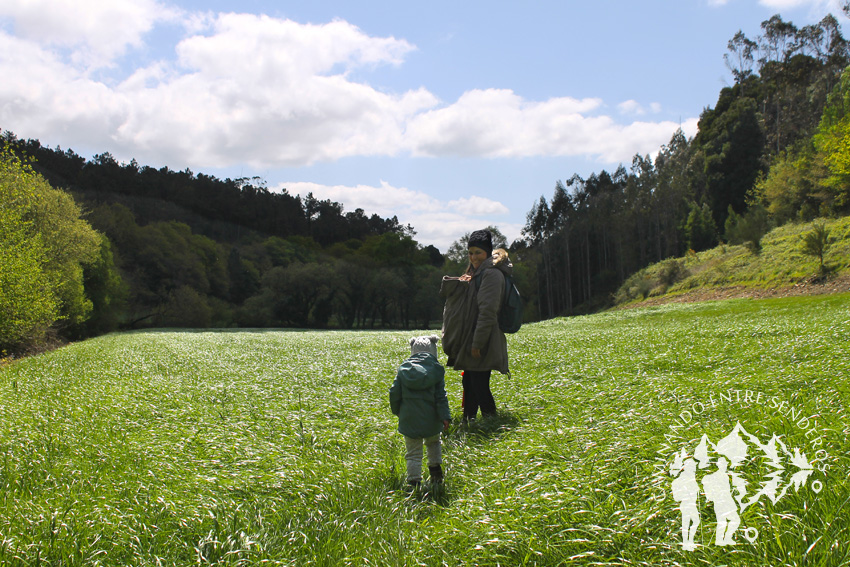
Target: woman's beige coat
470, 317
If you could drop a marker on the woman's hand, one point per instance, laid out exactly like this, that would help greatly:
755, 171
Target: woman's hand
465, 277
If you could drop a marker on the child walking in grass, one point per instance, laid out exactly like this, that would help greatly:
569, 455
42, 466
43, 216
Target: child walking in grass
418, 398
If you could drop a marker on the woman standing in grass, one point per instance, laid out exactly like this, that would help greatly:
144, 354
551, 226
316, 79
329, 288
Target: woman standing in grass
471, 335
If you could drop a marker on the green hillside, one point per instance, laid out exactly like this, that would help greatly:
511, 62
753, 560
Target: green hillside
779, 267
278, 447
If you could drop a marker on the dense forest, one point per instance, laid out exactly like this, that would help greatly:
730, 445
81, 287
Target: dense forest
173, 248
772, 150
91, 246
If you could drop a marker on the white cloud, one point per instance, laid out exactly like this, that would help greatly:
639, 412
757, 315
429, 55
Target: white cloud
821, 7
45, 97
384, 200
500, 124
495, 123
635, 108
630, 107
478, 206
272, 92
252, 90
97, 31
441, 230
436, 222
267, 92
268, 49
817, 8
788, 4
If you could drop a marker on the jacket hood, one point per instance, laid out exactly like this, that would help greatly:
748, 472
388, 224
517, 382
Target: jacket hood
421, 371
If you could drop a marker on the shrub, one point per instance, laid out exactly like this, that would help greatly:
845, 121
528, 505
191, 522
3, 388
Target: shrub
44, 245
748, 228
671, 271
636, 286
816, 243
27, 305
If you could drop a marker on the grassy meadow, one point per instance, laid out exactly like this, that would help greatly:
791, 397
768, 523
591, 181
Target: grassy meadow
278, 447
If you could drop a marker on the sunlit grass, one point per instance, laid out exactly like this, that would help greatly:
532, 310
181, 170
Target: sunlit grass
278, 448
779, 264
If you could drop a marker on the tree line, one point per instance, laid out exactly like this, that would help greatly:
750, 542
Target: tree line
772, 150
220, 209
141, 247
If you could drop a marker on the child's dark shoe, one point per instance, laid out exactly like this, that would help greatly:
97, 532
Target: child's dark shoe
436, 472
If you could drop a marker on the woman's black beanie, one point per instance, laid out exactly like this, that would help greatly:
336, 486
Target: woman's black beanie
481, 239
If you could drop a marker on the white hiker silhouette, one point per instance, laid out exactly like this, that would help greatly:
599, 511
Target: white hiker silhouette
733, 447
719, 491
726, 488
686, 490
701, 452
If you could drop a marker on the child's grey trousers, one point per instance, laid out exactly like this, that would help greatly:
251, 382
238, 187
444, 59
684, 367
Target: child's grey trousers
414, 455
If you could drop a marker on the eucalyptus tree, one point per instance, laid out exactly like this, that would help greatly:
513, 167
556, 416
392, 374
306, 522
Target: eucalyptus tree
562, 218
537, 230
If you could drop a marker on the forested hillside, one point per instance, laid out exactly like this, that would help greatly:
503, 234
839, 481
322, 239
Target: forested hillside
772, 150
189, 250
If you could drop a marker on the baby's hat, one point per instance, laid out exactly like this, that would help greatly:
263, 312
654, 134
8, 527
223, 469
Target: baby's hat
424, 344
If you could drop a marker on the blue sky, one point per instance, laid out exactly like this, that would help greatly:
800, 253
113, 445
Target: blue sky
451, 115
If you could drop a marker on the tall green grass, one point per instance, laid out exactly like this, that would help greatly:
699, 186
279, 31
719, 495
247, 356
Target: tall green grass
278, 447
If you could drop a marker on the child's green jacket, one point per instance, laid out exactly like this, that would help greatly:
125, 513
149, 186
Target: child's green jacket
418, 396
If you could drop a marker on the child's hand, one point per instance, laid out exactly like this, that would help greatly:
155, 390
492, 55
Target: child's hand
446, 423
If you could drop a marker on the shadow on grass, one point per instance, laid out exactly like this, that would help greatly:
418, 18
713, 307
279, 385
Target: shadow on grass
393, 480
490, 428
478, 431
426, 492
